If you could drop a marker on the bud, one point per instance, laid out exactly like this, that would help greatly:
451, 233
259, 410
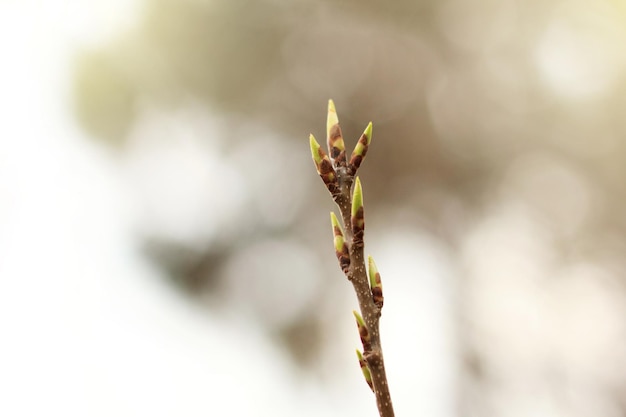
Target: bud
375, 283
323, 165
357, 219
365, 370
360, 150
341, 248
363, 332
336, 146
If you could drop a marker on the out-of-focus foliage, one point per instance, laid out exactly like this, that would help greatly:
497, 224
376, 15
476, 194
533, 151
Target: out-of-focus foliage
498, 133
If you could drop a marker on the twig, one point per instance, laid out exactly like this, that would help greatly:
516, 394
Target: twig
338, 175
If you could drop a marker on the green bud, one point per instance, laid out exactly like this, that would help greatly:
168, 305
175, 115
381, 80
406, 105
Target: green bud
341, 248
332, 115
337, 232
323, 165
360, 150
359, 320
375, 283
363, 332
357, 218
365, 369
315, 150
357, 197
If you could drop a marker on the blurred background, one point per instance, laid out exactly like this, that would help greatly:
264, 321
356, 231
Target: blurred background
165, 246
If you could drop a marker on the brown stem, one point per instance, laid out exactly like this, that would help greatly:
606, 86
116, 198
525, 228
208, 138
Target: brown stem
357, 274
343, 200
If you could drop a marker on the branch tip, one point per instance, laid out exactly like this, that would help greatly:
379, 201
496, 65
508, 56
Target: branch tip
339, 176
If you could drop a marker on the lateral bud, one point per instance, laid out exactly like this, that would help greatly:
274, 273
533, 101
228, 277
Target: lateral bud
365, 369
360, 150
375, 283
336, 146
341, 248
363, 332
357, 215
324, 166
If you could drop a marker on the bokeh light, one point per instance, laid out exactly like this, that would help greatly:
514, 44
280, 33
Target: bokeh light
164, 240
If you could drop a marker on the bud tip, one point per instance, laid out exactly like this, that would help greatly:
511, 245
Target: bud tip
368, 132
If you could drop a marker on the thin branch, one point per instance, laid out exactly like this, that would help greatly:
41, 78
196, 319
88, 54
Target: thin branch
339, 177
